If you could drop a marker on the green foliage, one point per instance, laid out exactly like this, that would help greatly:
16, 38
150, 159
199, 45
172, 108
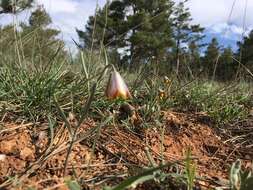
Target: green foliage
211, 57
223, 103
39, 42
101, 30
226, 69
190, 170
7, 50
159, 176
33, 43
30, 93
239, 179
146, 175
33, 67
11, 6
73, 185
245, 54
37, 81
194, 59
150, 40
93, 36
184, 32
154, 35
160, 33
39, 18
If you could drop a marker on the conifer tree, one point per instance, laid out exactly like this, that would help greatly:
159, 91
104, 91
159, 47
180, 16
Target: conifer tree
6, 43
184, 32
106, 26
245, 53
153, 37
14, 6
226, 68
106, 29
41, 44
141, 28
211, 57
194, 58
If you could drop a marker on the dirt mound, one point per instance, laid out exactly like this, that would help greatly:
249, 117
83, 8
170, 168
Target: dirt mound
107, 155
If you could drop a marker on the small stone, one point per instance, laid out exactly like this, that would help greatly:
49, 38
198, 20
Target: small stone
2, 157
27, 154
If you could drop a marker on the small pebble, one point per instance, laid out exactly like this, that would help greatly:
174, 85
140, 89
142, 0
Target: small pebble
2, 157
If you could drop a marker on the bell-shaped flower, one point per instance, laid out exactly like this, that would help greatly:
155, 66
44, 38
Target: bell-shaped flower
116, 87
162, 94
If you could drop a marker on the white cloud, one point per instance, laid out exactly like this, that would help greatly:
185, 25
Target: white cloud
69, 14
226, 28
212, 14
59, 6
66, 15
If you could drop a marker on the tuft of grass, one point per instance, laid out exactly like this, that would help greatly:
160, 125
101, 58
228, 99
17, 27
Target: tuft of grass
240, 179
30, 94
224, 103
190, 170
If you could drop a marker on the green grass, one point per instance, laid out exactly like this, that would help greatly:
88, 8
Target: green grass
28, 94
28, 85
224, 103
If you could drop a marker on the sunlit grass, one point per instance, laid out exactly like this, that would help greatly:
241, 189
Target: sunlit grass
31, 91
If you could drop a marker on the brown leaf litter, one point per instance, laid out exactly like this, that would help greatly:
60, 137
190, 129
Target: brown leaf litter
114, 153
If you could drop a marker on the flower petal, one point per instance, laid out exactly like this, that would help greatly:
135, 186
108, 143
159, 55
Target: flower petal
116, 87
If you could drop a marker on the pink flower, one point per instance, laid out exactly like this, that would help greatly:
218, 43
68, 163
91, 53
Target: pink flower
116, 87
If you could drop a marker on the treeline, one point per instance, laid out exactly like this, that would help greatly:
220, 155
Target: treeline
156, 33
33, 42
161, 33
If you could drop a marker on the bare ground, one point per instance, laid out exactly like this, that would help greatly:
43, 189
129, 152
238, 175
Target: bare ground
29, 157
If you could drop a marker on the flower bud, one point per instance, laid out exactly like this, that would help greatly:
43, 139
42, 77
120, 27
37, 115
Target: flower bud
167, 80
116, 87
162, 94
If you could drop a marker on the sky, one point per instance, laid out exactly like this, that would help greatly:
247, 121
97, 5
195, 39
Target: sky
211, 14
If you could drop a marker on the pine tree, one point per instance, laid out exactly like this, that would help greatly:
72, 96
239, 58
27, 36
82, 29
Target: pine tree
194, 58
184, 32
6, 43
211, 57
141, 28
226, 68
153, 36
11, 6
39, 18
41, 45
245, 53
106, 27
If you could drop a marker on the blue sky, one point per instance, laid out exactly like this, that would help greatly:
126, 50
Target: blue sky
212, 14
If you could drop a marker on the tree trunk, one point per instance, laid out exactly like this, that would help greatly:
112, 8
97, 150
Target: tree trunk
177, 57
215, 67
132, 59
